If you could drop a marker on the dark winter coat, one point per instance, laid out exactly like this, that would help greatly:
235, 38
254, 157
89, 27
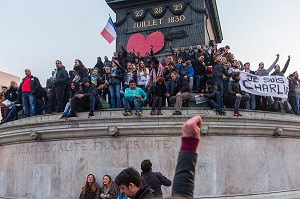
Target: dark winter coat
181, 85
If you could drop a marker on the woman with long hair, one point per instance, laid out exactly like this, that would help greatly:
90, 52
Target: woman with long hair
109, 189
91, 189
142, 75
74, 87
80, 69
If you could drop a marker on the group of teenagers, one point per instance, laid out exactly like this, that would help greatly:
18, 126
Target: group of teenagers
129, 183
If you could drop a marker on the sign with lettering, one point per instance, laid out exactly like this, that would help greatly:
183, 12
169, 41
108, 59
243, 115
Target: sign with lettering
157, 17
274, 86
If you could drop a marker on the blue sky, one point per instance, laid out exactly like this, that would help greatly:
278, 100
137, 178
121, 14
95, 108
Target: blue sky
35, 33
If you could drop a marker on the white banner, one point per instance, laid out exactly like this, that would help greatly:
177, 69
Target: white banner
274, 86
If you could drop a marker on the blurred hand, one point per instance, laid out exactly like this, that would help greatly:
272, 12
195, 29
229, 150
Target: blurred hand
289, 57
191, 128
238, 95
277, 55
178, 94
80, 96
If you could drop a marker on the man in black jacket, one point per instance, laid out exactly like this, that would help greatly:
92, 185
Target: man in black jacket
129, 180
154, 179
28, 88
57, 89
180, 93
236, 93
199, 71
130, 183
85, 99
213, 97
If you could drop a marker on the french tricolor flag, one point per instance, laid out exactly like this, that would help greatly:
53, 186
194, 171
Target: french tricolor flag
109, 32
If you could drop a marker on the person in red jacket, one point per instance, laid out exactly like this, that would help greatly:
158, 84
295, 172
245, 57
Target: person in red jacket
29, 87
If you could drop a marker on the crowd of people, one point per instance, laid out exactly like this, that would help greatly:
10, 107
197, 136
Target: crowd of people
132, 81
129, 183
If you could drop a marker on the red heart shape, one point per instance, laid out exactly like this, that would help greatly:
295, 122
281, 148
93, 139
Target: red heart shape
142, 45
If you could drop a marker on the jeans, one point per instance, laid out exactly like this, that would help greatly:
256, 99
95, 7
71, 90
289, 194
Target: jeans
216, 103
85, 103
136, 103
251, 104
219, 84
56, 100
13, 113
39, 106
169, 85
29, 104
115, 96
143, 87
197, 81
297, 104
67, 109
237, 100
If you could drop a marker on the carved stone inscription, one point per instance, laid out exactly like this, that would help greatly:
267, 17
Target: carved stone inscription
158, 17
99, 144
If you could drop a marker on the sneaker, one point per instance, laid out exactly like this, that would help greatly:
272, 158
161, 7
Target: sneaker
127, 113
91, 114
236, 113
139, 113
222, 113
177, 113
72, 114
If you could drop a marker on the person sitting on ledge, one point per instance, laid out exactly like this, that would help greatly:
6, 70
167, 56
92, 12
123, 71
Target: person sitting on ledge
236, 93
213, 97
86, 98
180, 93
134, 96
158, 96
129, 180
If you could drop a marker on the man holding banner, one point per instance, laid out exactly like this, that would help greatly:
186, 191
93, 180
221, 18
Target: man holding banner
277, 72
261, 71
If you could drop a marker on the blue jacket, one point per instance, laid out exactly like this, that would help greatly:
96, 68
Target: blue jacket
187, 70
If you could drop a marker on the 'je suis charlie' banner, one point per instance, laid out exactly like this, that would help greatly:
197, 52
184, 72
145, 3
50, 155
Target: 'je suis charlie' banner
274, 86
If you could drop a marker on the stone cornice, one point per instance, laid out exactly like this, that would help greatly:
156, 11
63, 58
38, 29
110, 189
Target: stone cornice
113, 123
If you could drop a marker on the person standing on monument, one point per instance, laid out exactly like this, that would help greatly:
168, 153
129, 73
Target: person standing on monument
28, 88
182, 54
91, 189
156, 71
262, 102
57, 89
154, 179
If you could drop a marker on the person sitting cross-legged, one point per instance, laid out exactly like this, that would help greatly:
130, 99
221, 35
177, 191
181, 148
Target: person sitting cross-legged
213, 97
134, 96
85, 99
